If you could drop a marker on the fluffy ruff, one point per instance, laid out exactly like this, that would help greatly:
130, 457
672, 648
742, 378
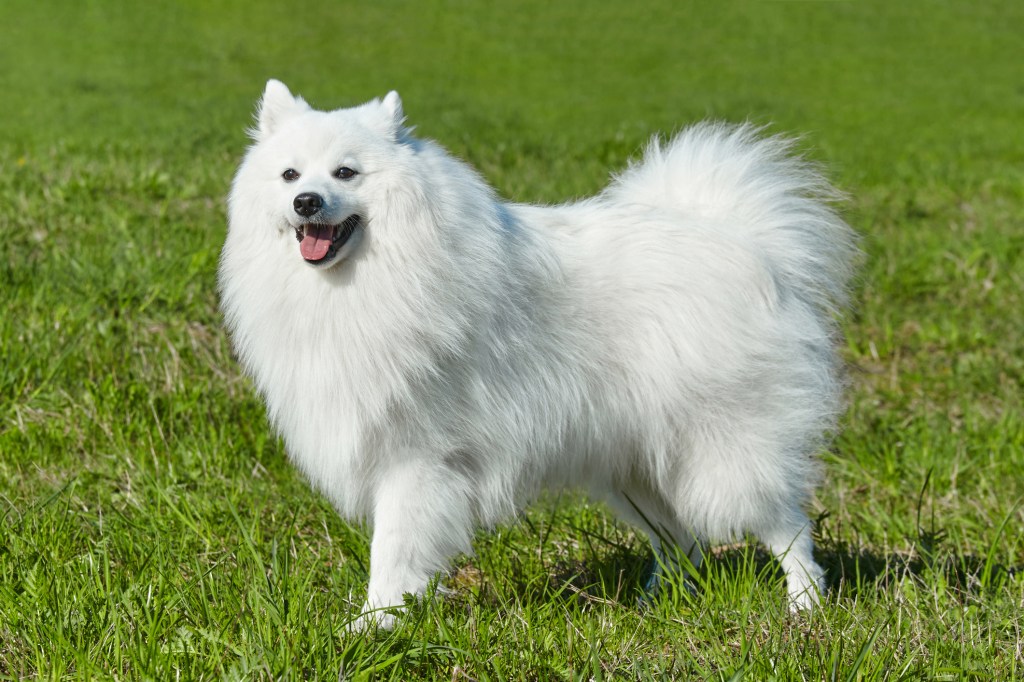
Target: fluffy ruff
668, 345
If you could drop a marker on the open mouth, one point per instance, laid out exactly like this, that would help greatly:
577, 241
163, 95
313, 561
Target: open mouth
319, 243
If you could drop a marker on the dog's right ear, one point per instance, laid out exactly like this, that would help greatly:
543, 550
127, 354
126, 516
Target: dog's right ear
392, 108
276, 106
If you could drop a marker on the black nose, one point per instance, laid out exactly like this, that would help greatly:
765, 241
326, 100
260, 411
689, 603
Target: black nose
308, 203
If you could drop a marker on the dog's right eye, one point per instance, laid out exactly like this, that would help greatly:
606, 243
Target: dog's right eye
290, 175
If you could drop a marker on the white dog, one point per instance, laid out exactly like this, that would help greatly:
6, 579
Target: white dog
434, 357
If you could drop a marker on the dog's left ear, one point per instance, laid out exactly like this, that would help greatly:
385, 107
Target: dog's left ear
391, 107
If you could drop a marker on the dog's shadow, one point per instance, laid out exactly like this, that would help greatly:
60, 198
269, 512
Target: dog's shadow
619, 574
853, 572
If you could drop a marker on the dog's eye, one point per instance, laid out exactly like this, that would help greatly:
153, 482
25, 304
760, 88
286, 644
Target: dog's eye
290, 175
345, 173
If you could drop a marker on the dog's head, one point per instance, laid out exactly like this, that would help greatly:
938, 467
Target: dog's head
315, 174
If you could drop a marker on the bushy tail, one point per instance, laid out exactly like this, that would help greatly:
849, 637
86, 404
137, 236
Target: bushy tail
756, 186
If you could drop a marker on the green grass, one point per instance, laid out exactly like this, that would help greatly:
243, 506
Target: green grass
150, 525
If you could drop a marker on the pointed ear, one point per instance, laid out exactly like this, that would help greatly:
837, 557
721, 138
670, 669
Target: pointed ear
394, 117
276, 106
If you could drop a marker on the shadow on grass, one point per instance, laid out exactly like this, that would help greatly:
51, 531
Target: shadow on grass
854, 572
615, 575
620, 575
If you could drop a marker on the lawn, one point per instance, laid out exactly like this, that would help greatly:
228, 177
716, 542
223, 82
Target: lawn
150, 524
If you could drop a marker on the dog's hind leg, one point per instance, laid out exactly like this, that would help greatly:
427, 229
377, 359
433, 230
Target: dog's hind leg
670, 539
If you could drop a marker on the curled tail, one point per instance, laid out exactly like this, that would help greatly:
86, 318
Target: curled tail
757, 187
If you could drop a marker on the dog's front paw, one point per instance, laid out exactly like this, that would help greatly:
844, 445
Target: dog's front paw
373, 619
807, 600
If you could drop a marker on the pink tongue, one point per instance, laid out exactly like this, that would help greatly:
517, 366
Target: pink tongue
317, 241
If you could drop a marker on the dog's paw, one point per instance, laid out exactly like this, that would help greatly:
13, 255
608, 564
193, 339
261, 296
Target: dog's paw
806, 586
806, 601
373, 619
663, 575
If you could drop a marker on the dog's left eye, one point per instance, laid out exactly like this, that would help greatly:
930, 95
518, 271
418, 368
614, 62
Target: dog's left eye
345, 173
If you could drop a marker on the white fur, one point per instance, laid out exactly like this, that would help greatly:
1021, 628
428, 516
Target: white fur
667, 345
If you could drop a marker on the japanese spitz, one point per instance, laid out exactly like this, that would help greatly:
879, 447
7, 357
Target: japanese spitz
434, 356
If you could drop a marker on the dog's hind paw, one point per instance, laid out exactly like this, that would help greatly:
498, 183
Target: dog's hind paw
658, 579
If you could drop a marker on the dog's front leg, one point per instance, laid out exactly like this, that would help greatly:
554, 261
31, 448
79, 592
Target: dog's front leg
422, 518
